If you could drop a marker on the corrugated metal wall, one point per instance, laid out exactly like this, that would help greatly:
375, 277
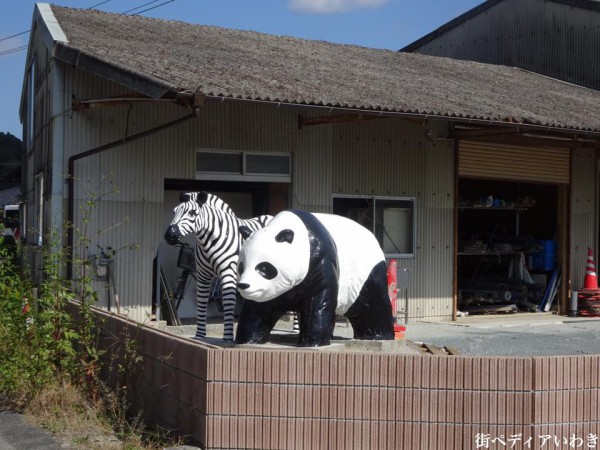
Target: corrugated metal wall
584, 204
558, 40
38, 153
392, 158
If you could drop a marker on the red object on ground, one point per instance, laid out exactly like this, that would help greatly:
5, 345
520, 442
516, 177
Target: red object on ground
591, 279
399, 331
392, 282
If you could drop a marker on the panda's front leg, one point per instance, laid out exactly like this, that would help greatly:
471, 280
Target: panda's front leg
256, 321
317, 319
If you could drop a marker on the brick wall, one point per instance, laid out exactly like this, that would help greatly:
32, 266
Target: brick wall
310, 399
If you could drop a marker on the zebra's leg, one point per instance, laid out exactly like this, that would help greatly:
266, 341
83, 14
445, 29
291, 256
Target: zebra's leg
296, 328
229, 295
202, 292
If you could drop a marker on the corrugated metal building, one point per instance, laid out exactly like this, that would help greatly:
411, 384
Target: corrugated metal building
556, 38
122, 112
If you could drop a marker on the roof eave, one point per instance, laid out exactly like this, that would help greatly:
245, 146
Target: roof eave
132, 80
423, 116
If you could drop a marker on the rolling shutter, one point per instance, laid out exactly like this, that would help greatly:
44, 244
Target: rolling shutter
511, 162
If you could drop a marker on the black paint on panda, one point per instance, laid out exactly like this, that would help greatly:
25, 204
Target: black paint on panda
315, 298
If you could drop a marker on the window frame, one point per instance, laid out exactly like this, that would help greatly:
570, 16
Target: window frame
243, 174
403, 202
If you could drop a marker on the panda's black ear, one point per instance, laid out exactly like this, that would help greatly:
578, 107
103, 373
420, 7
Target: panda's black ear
202, 197
286, 235
245, 231
184, 197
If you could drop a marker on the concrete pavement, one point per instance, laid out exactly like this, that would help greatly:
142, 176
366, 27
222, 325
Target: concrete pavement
521, 334
16, 433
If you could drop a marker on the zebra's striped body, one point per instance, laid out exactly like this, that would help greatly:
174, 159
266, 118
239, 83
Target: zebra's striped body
218, 243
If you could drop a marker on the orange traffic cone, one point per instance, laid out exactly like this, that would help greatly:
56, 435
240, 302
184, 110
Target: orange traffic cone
392, 282
591, 279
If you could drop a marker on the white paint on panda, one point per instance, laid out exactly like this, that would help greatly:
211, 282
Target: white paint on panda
358, 252
290, 260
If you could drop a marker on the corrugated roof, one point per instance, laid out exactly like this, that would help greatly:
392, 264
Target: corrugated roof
10, 196
213, 61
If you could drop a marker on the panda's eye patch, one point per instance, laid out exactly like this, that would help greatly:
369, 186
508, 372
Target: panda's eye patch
286, 235
266, 270
241, 268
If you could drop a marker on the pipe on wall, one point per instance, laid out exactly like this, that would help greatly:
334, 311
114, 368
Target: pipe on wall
95, 151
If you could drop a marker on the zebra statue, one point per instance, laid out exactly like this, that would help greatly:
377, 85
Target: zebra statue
218, 242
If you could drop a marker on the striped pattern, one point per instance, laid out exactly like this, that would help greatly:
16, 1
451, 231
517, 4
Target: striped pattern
218, 244
512, 162
591, 266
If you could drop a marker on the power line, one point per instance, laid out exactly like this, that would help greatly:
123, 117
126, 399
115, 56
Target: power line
14, 35
154, 7
13, 50
138, 7
98, 4
27, 31
21, 48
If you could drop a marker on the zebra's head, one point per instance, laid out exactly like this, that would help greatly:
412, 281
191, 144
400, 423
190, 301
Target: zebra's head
186, 216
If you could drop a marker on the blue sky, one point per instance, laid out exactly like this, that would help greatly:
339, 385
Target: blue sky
389, 24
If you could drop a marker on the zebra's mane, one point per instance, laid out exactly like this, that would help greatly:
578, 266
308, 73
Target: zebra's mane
208, 199
212, 205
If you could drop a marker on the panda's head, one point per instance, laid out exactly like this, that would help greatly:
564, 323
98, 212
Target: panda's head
273, 259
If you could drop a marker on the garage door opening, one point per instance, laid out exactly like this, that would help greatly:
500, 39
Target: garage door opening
509, 246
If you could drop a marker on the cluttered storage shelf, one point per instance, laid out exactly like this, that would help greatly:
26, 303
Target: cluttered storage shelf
501, 269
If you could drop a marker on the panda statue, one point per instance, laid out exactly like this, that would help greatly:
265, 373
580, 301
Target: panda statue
318, 265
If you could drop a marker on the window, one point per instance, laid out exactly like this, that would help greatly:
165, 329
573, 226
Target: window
243, 166
266, 164
39, 187
219, 162
392, 221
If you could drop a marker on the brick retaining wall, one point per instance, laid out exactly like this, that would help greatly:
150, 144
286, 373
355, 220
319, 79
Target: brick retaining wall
310, 399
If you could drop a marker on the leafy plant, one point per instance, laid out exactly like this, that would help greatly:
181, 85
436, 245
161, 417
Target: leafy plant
53, 352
